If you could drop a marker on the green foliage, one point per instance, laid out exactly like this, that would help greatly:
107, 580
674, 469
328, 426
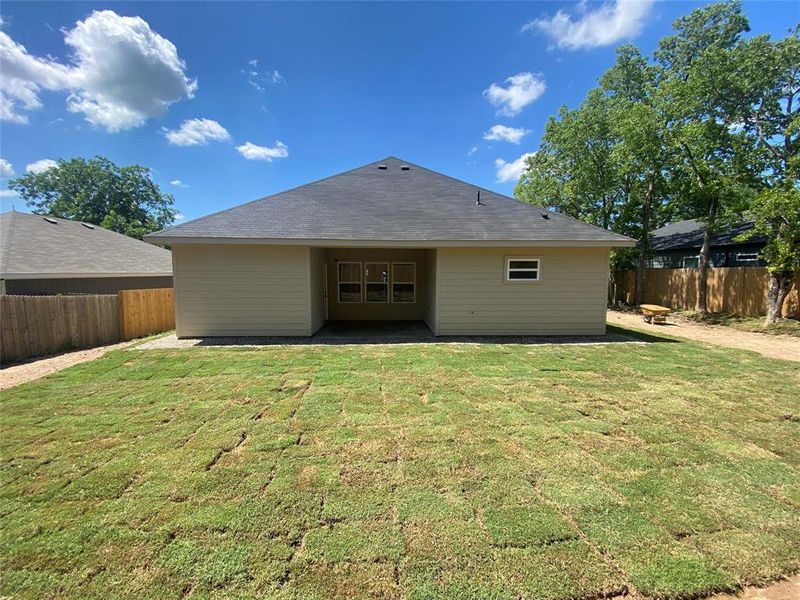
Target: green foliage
708, 129
123, 199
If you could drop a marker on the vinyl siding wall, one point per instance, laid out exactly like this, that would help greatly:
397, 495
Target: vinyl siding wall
241, 290
473, 297
317, 288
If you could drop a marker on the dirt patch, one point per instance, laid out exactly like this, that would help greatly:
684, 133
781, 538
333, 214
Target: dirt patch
18, 373
772, 346
788, 589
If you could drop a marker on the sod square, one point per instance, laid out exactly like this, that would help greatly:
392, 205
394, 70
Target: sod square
403, 471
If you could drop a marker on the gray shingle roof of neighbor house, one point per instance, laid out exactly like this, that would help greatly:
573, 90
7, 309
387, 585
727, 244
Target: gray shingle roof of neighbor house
689, 234
35, 246
388, 201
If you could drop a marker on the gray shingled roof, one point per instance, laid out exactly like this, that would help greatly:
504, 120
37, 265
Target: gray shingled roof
371, 204
689, 234
30, 245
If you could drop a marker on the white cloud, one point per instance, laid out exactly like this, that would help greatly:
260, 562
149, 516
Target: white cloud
253, 152
197, 132
121, 73
501, 133
40, 166
8, 194
180, 217
6, 169
178, 183
260, 79
608, 23
521, 90
472, 151
511, 171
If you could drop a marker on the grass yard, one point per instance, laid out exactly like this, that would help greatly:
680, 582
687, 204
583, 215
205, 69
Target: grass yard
441, 471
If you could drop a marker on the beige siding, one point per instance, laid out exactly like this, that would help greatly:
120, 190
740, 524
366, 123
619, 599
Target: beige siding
317, 288
241, 290
430, 290
474, 298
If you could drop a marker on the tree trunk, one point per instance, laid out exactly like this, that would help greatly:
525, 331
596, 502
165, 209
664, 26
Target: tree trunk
644, 245
779, 286
705, 260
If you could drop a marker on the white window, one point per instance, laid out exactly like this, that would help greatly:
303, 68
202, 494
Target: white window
522, 269
690, 262
376, 277
747, 257
404, 283
349, 282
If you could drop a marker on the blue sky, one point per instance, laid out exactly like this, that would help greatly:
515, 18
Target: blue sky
227, 102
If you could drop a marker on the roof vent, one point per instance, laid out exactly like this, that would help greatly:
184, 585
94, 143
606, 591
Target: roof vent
88, 225
404, 168
381, 167
49, 220
545, 216
478, 201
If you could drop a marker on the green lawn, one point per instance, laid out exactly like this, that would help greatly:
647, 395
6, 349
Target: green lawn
668, 469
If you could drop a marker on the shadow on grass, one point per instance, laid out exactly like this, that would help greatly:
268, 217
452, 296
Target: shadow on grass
417, 333
642, 336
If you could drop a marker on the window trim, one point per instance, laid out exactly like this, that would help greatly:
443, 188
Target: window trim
753, 254
508, 269
392, 281
386, 283
694, 256
339, 281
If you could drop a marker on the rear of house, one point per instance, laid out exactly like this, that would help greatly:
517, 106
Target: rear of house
389, 241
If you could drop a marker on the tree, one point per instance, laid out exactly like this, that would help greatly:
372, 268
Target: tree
638, 124
123, 199
714, 156
766, 97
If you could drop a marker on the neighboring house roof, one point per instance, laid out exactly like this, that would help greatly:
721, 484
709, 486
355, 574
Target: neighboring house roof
35, 246
388, 205
689, 234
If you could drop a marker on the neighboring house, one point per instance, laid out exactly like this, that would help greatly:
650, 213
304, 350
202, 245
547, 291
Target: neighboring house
389, 241
677, 245
46, 255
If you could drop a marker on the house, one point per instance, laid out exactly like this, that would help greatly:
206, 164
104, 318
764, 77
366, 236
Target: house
46, 255
389, 241
677, 245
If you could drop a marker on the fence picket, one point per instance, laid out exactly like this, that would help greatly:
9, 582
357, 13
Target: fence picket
38, 325
737, 290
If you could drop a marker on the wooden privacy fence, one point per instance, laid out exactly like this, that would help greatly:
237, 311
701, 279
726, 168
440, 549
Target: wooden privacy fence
734, 290
38, 325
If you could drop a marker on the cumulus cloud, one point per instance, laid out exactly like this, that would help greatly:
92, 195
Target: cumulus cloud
608, 23
472, 151
253, 152
180, 217
511, 171
40, 166
519, 91
502, 133
120, 73
197, 132
8, 194
178, 183
6, 169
